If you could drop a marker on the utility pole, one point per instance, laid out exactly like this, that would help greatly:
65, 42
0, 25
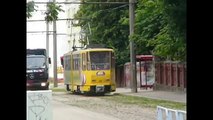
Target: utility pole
132, 46
55, 54
47, 36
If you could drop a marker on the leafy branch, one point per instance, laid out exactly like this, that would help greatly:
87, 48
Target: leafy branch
30, 9
52, 12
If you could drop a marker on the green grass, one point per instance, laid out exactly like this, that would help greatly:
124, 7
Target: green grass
146, 102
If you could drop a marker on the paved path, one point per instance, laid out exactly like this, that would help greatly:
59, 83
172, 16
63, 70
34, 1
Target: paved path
155, 94
67, 112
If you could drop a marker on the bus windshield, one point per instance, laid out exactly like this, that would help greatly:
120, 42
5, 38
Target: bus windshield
35, 62
100, 60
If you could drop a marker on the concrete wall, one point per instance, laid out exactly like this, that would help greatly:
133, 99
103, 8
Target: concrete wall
39, 105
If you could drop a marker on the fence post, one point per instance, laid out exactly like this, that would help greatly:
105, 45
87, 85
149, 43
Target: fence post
176, 82
159, 114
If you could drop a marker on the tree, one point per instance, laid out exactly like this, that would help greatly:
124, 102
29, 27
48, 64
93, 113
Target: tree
107, 26
51, 13
30, 8
160, 28
170, 42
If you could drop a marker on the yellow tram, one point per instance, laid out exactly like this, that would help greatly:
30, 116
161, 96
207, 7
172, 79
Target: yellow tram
90, 70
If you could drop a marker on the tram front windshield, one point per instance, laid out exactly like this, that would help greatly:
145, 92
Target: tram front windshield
100, 60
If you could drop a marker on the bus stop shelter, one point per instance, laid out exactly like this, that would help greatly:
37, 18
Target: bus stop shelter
144, 78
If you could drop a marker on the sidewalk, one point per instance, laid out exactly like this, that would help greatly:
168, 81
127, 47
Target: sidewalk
60, 85
149, 93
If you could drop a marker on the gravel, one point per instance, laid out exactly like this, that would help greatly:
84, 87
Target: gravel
101, 105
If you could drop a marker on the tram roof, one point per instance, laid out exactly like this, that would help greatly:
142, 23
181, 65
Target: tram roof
87, 50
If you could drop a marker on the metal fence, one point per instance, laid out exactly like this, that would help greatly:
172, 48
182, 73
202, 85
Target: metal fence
171, 74
170, 114
167, 75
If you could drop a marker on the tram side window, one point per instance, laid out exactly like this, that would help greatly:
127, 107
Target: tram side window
67, 62
69, 65
84, 62
76, 64
88, 62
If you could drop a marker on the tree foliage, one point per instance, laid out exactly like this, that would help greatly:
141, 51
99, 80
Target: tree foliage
30, 8
107, 26
52, 12
160, 27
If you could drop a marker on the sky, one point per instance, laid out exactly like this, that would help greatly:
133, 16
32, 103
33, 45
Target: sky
38, 40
